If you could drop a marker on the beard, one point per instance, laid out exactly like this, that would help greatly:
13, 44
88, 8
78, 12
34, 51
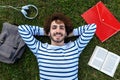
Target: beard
57, 40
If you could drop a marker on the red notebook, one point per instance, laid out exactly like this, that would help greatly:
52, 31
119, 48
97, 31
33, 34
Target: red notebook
107, 24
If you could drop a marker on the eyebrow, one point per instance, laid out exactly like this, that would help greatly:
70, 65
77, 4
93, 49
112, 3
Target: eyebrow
62, 26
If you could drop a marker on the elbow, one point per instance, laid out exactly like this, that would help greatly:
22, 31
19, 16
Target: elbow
94, 25
21, 28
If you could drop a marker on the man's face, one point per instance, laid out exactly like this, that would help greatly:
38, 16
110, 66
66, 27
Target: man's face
57, 31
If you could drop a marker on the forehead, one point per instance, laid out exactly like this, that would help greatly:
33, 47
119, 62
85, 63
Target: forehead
59, 22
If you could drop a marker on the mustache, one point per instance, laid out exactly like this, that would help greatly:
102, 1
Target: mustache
57, 34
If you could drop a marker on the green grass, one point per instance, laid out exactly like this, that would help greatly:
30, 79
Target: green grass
26, 68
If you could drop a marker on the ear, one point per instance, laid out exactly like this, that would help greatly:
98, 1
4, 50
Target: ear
49, 34
66, 34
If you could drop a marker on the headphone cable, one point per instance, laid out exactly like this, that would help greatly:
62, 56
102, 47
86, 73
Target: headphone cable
11, 7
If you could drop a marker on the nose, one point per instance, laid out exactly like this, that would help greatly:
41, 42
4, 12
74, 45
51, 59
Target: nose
58, 29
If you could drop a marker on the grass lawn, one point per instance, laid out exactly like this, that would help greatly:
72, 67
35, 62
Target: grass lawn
26, 68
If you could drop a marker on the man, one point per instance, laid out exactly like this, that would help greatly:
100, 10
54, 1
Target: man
58, 60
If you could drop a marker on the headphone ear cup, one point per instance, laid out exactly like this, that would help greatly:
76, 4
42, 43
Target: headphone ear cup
24, 12
25, 7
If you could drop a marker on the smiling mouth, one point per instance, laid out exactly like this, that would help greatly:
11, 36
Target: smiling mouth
58, 34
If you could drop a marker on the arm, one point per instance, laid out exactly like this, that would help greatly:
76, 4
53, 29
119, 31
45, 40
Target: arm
85, 34
27, 33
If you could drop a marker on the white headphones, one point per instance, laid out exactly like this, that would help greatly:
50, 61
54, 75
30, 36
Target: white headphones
24, 9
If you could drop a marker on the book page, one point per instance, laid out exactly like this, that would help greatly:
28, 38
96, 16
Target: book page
110, 64
98, 57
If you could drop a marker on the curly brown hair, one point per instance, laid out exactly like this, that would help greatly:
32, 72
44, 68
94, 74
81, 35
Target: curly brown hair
58, 16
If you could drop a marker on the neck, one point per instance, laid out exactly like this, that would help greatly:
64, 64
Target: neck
57, 43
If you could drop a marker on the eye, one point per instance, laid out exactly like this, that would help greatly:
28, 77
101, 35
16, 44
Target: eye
54, 27
62, 27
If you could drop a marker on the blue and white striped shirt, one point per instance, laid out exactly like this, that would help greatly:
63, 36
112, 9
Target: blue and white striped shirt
57, 62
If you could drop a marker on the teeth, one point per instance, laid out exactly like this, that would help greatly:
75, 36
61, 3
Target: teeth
58, 35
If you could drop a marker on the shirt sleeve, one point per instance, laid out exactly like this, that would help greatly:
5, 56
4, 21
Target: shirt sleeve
27, 33
85, 34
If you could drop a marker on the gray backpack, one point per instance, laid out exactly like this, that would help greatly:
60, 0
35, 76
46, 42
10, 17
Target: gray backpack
11, 44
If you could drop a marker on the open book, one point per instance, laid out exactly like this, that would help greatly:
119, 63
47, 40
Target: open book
104, 61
